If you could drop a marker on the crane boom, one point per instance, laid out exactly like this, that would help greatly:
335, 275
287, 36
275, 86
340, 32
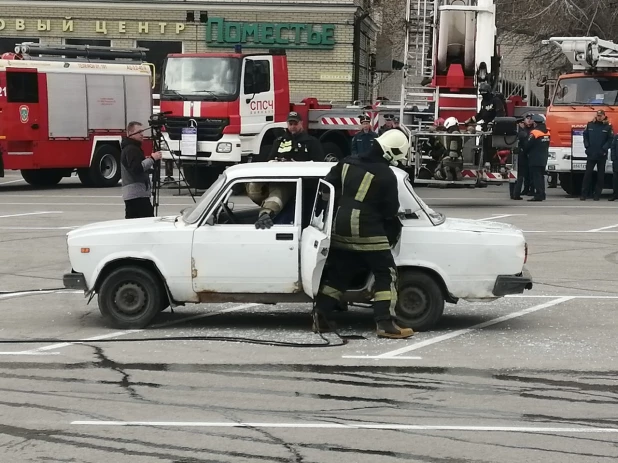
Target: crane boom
587, 53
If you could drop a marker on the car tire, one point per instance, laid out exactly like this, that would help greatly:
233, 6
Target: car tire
130, 297
420, 301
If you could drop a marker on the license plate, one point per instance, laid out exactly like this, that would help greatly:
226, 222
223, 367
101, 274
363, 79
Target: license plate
551, 167
579, 166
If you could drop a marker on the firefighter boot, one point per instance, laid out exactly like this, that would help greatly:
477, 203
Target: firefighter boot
390, 329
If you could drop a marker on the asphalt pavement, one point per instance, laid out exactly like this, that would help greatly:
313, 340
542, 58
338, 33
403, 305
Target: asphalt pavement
530, 378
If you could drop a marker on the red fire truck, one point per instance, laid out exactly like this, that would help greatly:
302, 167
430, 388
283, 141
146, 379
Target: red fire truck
65, 108
239, 104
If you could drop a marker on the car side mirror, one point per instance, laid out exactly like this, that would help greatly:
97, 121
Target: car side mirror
230, 205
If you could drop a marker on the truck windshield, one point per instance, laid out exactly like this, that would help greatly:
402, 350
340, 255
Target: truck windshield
214, 77
589, 91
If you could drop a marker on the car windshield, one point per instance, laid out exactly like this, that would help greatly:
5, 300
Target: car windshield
436, 218
590, 91
192, 214
214, 77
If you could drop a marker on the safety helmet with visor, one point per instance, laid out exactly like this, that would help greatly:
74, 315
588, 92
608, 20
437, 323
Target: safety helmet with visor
395, 146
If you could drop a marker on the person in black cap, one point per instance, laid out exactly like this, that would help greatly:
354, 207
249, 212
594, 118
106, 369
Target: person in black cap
397, 124
598, 138
361, 143
523, 169
388, 124
537, 151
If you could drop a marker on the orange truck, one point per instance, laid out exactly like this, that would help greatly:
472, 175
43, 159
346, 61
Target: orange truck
578, 95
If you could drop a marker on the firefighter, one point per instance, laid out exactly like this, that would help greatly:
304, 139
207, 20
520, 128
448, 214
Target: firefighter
364, 229
135, 168
492, 106
537, 151
361, 143
388, 124
598, 138
451, 164
523, 167
295, 145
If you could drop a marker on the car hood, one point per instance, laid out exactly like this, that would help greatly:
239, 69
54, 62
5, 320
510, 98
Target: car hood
480, 226
124, 226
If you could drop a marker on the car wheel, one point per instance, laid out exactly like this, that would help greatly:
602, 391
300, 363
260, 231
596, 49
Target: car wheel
130, 297
420, 301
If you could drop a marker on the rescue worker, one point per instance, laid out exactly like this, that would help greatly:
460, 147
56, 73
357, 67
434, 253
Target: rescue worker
598, 137
135, 168
397, 124
523, 167
361, 143
364, 229
492, 106
537, 151
388, 124
451, 164
295, 145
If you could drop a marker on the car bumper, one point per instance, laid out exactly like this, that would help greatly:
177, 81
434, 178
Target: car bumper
512, 284
207, 151
74, 280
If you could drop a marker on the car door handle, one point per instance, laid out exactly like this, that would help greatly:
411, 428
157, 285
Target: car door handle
285, 236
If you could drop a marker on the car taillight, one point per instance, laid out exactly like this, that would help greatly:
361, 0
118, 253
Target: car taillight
526, 253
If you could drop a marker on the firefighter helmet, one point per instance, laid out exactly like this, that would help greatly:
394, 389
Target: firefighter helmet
395, 146
451, 122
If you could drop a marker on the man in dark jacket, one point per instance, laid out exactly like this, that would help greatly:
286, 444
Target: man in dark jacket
598, 138
296, 144
364, 229
523, 167
361, 143
614, 156
135, 168
492, 106
537, 151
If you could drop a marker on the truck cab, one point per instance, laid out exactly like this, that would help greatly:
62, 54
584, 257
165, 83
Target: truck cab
234, 100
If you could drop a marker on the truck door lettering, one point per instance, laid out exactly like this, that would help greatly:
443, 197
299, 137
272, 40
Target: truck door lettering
261, 106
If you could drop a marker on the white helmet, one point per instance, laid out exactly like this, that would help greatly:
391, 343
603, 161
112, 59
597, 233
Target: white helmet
395, 145
451, 122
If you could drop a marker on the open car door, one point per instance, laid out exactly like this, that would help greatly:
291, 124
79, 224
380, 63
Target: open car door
315, 241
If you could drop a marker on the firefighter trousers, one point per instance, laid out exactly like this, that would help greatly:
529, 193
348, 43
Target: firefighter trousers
344, 265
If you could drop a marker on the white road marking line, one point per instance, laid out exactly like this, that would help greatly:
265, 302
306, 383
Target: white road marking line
454, 334
557, 232
27, 293
603, 228
117, 334
374, 357
30, 213
521, 296
499, 217
379, 426
12, 181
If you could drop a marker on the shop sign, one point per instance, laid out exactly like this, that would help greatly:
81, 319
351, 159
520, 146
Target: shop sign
222, 33
99, 27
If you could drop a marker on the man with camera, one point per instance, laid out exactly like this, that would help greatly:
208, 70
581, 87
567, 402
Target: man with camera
135, 170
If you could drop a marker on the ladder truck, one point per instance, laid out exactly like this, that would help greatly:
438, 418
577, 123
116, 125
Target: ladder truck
65, 109
578, 95
450, 49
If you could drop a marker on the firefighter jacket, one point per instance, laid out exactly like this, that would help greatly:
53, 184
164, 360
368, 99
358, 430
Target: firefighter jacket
491, 107
598, 138
537, 146
367, 204
361, 143
299, 147
454, 150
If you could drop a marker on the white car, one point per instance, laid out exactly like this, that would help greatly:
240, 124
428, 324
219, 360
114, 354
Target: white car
211, 253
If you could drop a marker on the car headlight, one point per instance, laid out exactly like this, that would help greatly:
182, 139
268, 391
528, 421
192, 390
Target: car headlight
552, 155
224, 148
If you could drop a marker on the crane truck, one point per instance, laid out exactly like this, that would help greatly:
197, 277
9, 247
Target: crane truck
578, 95
450, 49
64, 109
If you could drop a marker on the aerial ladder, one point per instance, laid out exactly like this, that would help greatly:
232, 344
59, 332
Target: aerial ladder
450, 49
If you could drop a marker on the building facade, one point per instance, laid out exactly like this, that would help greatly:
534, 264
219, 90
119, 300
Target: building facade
328, 42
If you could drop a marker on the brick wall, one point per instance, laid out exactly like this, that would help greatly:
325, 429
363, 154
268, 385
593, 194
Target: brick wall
322, 73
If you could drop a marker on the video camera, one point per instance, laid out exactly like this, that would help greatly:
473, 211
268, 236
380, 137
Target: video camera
158, 121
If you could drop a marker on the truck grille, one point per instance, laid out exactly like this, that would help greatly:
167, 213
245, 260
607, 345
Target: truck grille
208, 129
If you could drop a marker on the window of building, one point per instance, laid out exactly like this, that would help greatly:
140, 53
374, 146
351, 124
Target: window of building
156, 54
91, 42
7, 44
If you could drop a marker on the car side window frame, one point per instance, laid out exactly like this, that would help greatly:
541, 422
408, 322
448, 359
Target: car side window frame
214, 208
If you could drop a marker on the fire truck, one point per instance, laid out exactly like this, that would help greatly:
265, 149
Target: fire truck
577, 96
450, 49
238, 103
65, 109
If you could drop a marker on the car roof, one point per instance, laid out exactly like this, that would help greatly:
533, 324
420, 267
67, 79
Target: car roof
287, 169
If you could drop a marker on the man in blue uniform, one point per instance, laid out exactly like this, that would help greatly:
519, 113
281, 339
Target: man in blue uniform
361, 143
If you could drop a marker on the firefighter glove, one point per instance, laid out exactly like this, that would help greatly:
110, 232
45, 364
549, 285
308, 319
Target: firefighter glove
265, 221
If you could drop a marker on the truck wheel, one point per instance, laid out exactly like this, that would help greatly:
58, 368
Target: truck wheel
264, 152
571, 183
420, 301
200, 177
130, 297
104, 171
42, 177
332, 148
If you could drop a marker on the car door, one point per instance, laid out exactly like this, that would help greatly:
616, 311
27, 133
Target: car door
257, 102
238, 258
315, 242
